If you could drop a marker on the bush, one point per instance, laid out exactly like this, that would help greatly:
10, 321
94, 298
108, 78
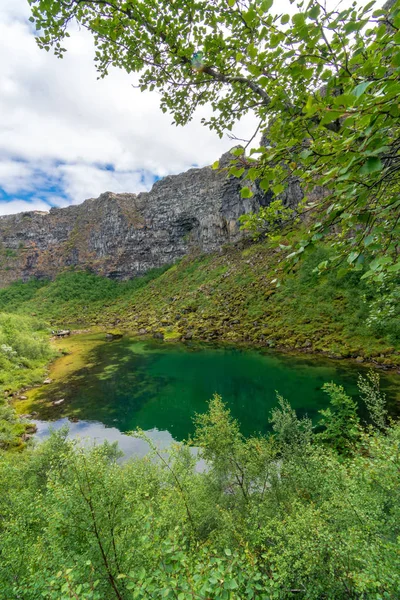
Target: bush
24, 351
268, 518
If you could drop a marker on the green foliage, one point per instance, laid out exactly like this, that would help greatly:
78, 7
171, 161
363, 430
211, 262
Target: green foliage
77, 523
237, 463
384, 314
24, 351
290, 431
11, 428
328, 312
374, 399
323, 84
340, 420
268, 220
19, 292
72, 293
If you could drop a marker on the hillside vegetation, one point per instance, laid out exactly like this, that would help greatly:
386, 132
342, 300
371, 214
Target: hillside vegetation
24, 353
242, 294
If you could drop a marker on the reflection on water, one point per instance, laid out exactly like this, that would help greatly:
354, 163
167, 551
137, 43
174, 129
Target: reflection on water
116, 387
91, 433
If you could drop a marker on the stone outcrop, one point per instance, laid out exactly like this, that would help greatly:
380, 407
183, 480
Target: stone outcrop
124, 235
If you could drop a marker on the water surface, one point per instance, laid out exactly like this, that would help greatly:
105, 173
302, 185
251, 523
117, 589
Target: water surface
110, 388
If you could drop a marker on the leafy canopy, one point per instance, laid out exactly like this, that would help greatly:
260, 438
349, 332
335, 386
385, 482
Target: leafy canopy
324, 85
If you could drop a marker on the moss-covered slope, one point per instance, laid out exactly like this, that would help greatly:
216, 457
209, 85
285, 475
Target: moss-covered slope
230, 296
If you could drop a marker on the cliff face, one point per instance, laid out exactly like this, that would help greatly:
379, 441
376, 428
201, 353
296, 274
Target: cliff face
123, 235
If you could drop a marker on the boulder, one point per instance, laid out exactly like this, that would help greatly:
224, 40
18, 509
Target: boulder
62, 332
113, 335
58, 402
158, 335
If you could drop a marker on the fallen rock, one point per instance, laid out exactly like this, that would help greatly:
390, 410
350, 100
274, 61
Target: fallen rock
158, 335
31, 429
110, 336
58, 402
62, 332
47, 381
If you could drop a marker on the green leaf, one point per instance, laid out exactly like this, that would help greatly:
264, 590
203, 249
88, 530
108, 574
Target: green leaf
305, 154
369, 240
396, 60
278, 189
265, 184
251, 51
237, 151
215, 165
298, 19
236, 171
313, 13
266, 5
394, 268
246, 192
372, 165
360, 88
330, 116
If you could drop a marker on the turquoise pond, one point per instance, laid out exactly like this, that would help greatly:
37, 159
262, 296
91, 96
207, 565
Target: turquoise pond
159, 387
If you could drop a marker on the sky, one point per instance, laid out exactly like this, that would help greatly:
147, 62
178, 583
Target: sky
66, 136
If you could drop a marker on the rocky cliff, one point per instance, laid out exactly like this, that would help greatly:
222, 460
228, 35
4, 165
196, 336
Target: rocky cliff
123, 235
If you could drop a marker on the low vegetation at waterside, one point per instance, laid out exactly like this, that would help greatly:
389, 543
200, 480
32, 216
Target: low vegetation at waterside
24, 354
231, 296
301, 513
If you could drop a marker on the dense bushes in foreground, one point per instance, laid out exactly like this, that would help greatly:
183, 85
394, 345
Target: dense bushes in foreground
303, 513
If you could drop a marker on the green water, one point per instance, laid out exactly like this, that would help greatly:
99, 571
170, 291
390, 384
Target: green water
159, 387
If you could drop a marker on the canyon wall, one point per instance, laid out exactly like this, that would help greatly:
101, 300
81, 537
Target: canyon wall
124, 235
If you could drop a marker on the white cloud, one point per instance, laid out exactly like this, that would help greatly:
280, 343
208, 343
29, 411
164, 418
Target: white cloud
57, 121
59, 125
17, 206
82, 181
15, 176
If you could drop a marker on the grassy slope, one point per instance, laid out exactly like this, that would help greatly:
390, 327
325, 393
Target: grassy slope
228, 296
24, 354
